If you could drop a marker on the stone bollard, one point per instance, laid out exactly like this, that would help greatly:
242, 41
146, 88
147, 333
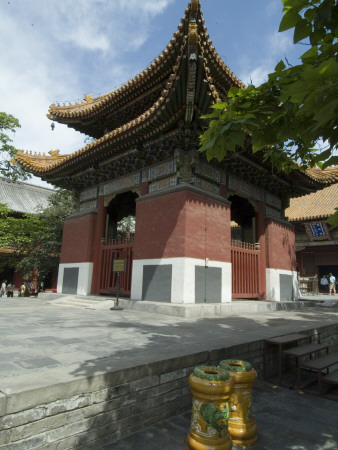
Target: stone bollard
211, 388
242, 426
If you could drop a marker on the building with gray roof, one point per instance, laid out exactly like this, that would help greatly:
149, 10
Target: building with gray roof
23, 197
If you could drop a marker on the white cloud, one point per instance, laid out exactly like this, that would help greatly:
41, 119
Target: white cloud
280, 43
257, 76
277, 46
152, 7
273, 7
55, 51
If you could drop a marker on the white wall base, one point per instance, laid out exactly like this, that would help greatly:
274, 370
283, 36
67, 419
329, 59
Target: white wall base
273, 287
85, 277
183, 278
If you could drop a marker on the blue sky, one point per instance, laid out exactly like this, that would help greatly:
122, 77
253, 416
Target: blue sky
60, 51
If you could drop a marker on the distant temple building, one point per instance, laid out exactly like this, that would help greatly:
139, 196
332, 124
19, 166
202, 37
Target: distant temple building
21, 198
316, 244
144, 162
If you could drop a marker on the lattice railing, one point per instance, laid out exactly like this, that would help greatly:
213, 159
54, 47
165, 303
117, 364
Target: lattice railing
245, 267
245, 245
116, 249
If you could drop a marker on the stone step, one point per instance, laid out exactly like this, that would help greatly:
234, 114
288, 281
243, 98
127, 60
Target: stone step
78, 302
202, 310
197, 310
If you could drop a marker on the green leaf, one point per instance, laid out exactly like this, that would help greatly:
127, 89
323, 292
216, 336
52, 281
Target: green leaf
323, 155
303, 30
310, 56
280, 66
333, 161
289, 20
237, 137
219, 106
324, 14
317, 36
333, 220
329, 68
309, 14
325, 114
295, 4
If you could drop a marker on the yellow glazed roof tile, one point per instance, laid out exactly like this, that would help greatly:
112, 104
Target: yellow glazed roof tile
317, 205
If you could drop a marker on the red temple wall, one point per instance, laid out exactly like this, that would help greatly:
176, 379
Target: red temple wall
280, 246
182, 224
311, 258
78, 238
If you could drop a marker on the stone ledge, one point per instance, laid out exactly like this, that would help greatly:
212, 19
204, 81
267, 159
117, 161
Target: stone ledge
3, 401
192, 310
28, 391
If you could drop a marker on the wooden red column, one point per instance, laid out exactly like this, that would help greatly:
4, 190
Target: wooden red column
100, 230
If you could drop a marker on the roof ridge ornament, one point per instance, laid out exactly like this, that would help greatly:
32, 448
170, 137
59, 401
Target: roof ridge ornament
89, 98
194, 5
193, 34
55, 154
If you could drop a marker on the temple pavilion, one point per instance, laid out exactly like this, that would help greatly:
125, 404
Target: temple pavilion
144, 162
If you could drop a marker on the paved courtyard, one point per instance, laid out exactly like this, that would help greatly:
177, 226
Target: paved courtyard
36, 335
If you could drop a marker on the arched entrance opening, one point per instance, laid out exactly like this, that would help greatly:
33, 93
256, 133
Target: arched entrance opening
245, 255
243, 222
121, 216
118, 244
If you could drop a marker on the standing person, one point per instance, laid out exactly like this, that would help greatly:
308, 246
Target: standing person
10, 288
298, 286
3, 288
324, 283
22, 289
332, 284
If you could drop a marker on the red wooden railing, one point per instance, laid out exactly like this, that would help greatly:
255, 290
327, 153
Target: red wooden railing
116, 249
245, 267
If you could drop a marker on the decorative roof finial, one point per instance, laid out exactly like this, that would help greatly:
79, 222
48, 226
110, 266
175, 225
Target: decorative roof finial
194, 5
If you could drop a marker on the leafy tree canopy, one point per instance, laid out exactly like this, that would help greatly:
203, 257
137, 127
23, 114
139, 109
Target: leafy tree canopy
36, 238
296, 110
8, 125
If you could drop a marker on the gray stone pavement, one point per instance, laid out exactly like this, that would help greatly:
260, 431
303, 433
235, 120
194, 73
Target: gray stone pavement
286, 420
35, 334
39, 337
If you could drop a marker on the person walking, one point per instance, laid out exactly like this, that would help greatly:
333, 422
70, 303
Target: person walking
10, 289
3, 288
332, 284
324, 283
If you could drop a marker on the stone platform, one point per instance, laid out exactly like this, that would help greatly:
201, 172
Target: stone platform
197, 310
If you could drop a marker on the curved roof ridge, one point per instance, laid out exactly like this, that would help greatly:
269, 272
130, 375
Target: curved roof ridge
91, 104
28, 159
217, 58
42, 163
